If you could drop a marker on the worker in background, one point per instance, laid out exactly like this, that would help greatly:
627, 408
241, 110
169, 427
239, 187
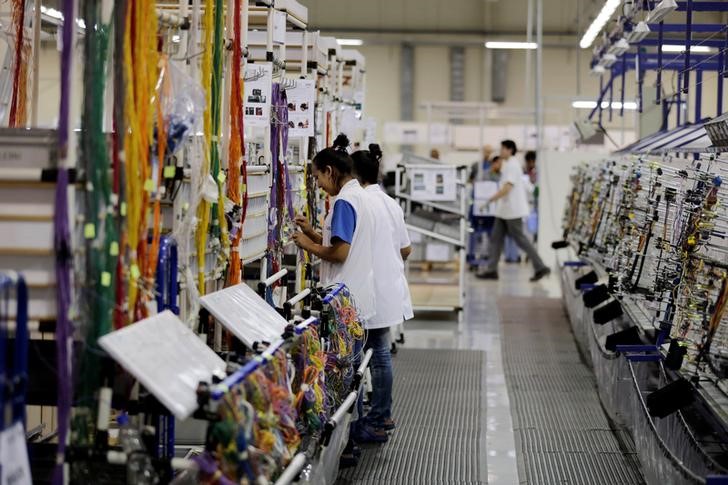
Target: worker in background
345, 248
391, 248
511, 208
479, 170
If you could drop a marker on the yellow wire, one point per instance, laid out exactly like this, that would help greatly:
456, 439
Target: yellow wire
203, 209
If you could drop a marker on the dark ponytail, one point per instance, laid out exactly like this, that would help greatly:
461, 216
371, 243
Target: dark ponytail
366, 164
336, 157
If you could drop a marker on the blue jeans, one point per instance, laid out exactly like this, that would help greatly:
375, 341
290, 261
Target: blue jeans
378, 340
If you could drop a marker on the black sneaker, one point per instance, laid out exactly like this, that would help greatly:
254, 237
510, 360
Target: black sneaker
488, 275
540, 274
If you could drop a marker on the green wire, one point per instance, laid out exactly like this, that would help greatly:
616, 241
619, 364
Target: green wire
100, 230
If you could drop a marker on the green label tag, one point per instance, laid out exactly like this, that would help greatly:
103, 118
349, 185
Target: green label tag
149, 185
122, 209
134, 270
170, 171
89, 231
106, 279
114, 248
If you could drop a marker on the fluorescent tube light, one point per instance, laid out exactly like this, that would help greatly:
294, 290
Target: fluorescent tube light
661, 10
350, 42
511, 45
628, 105
700, 49
598, 24
619, 47
639, 32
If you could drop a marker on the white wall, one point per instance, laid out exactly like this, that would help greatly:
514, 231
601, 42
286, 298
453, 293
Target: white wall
432, 82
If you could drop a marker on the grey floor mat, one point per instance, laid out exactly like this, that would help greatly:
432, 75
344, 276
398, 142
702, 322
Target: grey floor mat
438, 408
561, 432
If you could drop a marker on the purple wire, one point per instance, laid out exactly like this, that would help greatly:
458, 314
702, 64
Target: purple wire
62, 246
67, 36
283, 126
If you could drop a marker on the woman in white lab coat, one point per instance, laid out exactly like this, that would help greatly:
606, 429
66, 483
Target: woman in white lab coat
393, 304
345, 246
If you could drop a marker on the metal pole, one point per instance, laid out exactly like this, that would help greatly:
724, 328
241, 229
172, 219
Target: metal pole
699, 94
659, 65
529, 38
688, 42
539, 75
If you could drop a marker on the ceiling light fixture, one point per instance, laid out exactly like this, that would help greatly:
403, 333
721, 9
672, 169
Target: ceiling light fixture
596, 26
511, 45
619, 47
608, 60
350, 42
628, 105
661, 10
700, 49
639, 32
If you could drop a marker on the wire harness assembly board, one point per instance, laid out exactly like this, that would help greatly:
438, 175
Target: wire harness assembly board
644, 276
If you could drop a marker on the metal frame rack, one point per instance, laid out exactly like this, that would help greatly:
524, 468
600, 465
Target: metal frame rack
273, 31
458, 208
631, 45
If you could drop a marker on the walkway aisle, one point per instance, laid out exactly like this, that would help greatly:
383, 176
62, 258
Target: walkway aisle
562, 433
438, 415
452, 405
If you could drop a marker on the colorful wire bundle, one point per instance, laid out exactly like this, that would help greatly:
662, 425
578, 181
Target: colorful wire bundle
256, 436
309, 386
100, 228
140, 63
236, 162
18, 111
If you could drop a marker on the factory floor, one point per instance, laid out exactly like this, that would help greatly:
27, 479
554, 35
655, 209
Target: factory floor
475, 404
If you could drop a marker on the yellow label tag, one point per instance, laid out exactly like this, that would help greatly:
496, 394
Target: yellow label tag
169, 171
106, 279
149, 185
89, 231
134, 271
221, 177
122, 209
114, 248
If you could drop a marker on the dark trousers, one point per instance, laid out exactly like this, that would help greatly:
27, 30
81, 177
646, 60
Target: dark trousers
514, 229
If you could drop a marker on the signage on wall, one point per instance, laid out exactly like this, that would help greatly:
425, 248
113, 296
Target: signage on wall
301, 108
258, 82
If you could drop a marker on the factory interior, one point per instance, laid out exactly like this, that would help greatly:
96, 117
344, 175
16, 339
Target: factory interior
336, 242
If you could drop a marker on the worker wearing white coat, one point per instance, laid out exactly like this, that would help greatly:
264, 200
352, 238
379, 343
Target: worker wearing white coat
346, 250
393, 303
345, 246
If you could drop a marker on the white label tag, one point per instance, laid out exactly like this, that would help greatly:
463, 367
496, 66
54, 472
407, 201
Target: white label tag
14, 466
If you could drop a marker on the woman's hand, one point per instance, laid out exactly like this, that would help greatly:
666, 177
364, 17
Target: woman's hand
303, 223
302, 240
